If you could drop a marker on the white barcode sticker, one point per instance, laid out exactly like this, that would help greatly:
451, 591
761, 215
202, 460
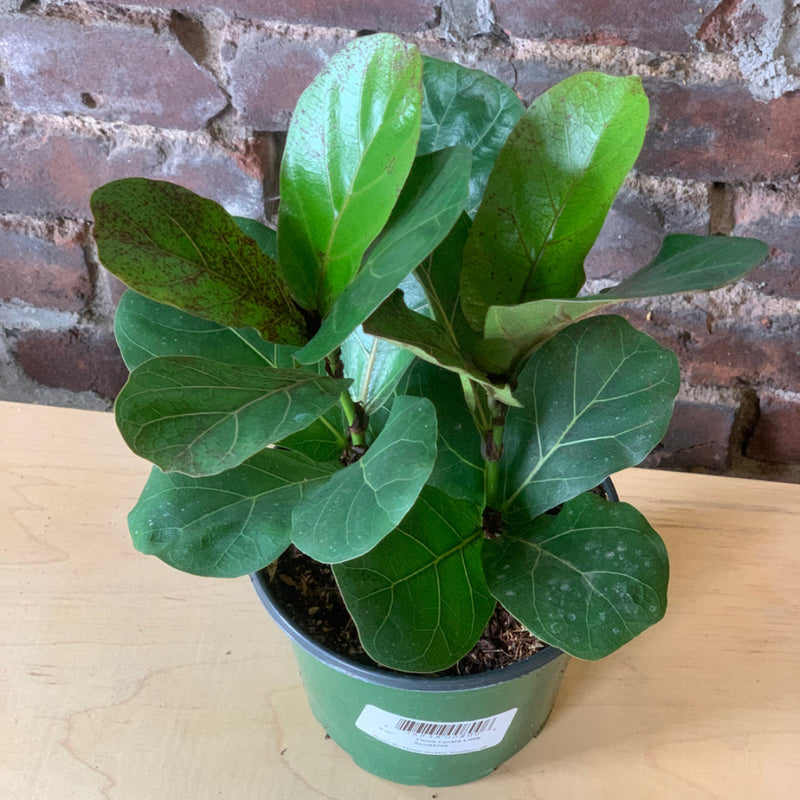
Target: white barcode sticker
431, 737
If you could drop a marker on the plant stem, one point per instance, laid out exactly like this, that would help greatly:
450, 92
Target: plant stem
492, 451
354, 421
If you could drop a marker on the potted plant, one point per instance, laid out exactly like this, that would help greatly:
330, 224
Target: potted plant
404, 383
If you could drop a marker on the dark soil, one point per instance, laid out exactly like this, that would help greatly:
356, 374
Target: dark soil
307, 591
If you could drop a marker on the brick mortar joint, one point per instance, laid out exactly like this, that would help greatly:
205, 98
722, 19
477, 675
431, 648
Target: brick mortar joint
688, 68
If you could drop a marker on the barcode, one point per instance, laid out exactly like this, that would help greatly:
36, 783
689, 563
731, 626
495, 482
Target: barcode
446, 728
433, 737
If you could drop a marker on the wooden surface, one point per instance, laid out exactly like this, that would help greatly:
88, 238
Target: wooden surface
121, 678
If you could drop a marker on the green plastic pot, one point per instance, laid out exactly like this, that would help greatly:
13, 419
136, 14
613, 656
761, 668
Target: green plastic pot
416, 729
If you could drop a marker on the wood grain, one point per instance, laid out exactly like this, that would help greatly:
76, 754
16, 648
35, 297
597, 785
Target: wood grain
123, 679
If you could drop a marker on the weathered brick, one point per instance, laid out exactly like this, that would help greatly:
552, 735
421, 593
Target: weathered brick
42, 273
777, 433
396, 17
54, 173
643, 213
772, 213
726, 353
80, 360
651, 26
699, 435
107, 72
718, 132
269, 73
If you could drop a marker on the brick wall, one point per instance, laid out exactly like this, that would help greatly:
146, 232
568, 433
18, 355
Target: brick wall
201, 92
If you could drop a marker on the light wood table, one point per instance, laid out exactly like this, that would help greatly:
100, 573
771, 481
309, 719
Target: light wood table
121, 678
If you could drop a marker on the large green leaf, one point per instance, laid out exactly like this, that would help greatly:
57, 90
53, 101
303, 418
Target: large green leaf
459, 466
469, 107
225, 525
587, 580
184, 250
201, 417
145, 329
376, 365
440, 275
264, 237
430, 340
429, 204
349, 148
419, 599
684, 263
362, 503
550, 191
596, 398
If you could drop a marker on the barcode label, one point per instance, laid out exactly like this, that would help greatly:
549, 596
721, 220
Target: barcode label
434, 737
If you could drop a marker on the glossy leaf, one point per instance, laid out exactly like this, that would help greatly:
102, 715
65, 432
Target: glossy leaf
184, 250
684, 264
264, 237
349, 148
225, 525
459, 466
375, 365
363, 502
145, 329
419, 599
201, 417
429, 205
596, 398
550, 191
469, 107
429, 340
587, 580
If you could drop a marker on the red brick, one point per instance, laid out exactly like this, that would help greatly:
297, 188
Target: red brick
636, 226
731, 353
42, 273
720, 133
730, 22
110, 73
395, 17
777, 433
80, 360
269, 73
54, 173
699, 435
772, 213
651, 26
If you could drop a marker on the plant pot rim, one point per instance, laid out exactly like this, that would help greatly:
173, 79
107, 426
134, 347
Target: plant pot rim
387, 677
401, 680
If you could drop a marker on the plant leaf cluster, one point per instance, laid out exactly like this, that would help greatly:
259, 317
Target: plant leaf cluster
403, 379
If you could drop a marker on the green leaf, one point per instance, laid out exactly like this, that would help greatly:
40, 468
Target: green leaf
225, 525
439, 275
596, 398
184, 250
469, 107
349, 148
550, 191
429, 205
323, 440
375, 365
587, 580
429, 340
419, 599
363, 502
264, 237
145, 329
201, 417
684, 263
458, 470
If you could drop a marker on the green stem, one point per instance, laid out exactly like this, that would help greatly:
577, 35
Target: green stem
493, 450
353, 421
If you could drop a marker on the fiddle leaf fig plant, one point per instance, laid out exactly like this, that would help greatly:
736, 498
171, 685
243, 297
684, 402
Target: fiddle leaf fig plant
403, 380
